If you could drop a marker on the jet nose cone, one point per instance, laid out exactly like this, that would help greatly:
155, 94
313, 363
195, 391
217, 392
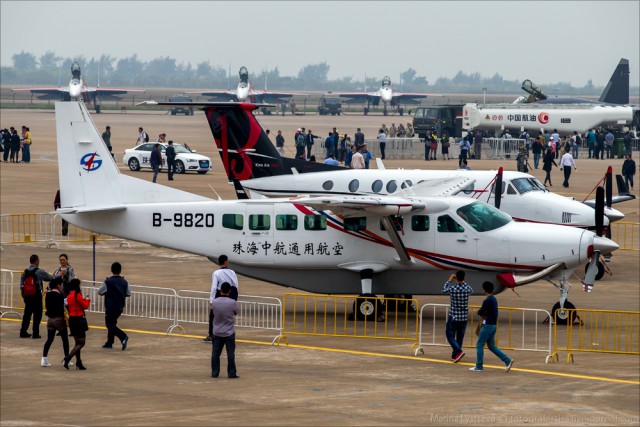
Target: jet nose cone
604, 245
613, 214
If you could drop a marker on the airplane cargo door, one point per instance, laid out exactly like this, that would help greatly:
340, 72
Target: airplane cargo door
258, 233
454, 240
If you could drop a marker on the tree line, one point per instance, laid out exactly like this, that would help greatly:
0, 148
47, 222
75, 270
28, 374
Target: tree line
108, 71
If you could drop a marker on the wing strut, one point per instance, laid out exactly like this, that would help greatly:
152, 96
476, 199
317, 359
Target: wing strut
395, 238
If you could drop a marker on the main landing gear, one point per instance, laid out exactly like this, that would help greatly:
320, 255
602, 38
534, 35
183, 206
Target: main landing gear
368, 306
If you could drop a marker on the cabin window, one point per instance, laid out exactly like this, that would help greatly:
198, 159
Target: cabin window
406, 184
511, 190
482, 217
259, 222
397, 221
354, 185
355, 223
377, 185
392, 186
233, 221
286, 222
420, 223
327, 185
446, 224
315, 222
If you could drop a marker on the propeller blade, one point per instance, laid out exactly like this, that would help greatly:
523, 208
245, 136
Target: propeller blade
599, 211
592, 271
497, 193
609, 187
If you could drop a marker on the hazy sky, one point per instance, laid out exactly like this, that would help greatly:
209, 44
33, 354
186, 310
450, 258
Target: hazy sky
548, 41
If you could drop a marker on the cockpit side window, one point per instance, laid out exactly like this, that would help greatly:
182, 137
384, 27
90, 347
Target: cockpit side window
482, 217
446, 224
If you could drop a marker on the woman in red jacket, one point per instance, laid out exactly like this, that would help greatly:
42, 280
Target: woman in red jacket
78, 326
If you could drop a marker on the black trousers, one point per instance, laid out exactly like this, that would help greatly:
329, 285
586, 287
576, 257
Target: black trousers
32, 307
230, 343
567, 174
111, 322
171, 164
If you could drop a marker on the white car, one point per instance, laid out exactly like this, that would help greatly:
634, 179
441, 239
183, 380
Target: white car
186, 160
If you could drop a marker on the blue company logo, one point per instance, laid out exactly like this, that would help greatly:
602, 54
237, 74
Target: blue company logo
91, 162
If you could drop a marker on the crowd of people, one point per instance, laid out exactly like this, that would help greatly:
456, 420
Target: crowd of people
16, 148
65, 306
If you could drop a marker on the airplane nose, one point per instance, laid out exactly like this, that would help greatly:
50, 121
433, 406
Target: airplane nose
604, 245
613, 214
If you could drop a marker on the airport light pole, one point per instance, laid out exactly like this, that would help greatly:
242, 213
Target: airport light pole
484, 95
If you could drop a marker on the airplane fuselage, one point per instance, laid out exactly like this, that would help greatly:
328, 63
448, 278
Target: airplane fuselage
523, 197
75, 88
242, 91
566, 118
284, 243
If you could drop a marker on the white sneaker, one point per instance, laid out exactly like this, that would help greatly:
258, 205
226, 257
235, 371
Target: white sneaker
508, 368
45, 362
475, 369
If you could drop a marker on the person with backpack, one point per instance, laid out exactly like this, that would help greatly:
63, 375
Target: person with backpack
300, 142
576, 142
31, 290
142, 136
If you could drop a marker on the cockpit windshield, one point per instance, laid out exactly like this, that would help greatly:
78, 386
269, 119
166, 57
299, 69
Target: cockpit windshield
482, 217
524, 185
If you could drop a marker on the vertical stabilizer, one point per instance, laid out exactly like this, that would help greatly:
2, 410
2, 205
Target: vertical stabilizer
617, 90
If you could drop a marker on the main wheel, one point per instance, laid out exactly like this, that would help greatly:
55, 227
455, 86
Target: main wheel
134, 164
368, 307
563, 316
180, 167
600, 273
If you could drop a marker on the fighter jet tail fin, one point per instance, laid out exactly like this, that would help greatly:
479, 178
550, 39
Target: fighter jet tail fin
617, 90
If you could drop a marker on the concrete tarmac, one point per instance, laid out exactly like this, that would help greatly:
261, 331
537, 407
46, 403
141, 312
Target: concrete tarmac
165, 380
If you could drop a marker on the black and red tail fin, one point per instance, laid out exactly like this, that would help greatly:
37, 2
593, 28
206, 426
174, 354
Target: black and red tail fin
245, 149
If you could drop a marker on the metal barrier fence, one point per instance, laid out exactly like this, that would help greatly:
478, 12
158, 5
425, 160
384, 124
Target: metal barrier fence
598, 331
500, 148
517, 329
626, 234
10, 297
158, 303
45, 227
328, 315
253, 311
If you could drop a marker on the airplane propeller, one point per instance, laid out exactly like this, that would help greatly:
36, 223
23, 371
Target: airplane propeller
592, 267
608, 188
497, 194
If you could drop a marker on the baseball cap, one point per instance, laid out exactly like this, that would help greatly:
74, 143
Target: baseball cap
550, 138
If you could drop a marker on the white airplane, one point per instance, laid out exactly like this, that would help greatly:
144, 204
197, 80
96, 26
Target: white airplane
77, 89
250, 157
386, 94
245, 92
539, 112
333, 244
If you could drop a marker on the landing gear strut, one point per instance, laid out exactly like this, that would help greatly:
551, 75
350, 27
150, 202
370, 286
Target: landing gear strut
559, 311
367, 306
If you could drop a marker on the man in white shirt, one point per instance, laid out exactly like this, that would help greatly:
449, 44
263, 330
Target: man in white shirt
566, 163
223, 275
357, 161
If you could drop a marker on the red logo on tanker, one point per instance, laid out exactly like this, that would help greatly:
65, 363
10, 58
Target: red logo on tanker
543, 118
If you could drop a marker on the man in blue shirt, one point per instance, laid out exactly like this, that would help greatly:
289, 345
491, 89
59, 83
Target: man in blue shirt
366, 154
331, 160
489, 311
459, 292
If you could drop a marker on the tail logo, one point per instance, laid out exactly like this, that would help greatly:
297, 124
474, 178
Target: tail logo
91, 162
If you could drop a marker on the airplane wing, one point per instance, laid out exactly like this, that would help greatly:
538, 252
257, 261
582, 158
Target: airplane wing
409, 98
217, 95
440, 187
357, 205
270, 97
105, 92
354, 97
44, 92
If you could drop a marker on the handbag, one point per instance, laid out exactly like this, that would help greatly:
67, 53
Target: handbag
66, 316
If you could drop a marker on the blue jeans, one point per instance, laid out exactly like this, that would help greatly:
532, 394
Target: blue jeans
536, 160
487, 336
26, 153
575, 151
455, 334
230, 344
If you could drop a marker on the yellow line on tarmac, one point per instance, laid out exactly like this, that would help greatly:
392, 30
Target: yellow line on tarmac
383, 355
